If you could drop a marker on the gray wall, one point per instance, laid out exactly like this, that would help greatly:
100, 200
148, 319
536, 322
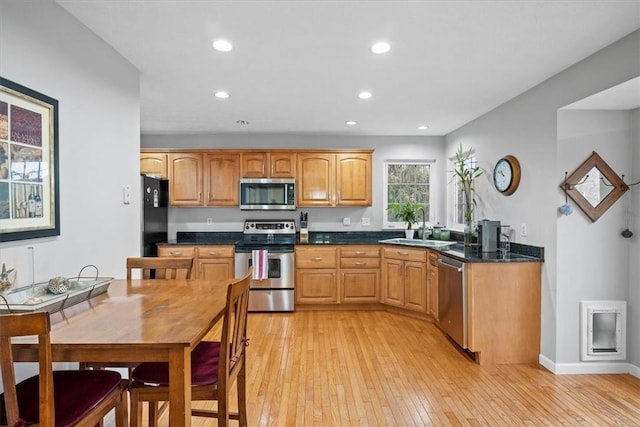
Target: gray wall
527, 127
320, 219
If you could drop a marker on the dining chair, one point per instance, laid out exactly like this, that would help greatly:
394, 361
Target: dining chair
161, 267
54, 398
215, 366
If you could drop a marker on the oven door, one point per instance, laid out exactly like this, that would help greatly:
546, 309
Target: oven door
281, 269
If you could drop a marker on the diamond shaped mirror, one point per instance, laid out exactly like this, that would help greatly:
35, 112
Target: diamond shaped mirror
594, 186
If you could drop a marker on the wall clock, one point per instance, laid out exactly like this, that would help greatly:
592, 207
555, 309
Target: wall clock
506, 175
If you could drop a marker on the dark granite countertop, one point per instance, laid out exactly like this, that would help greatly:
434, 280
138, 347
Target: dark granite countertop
519, 252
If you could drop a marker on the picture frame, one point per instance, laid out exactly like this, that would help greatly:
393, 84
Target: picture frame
29, 165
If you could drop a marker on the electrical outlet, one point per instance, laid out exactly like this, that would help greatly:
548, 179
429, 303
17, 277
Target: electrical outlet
366, 222
209, 221
523, 229
346, 221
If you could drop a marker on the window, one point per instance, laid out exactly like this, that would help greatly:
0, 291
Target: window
403, 180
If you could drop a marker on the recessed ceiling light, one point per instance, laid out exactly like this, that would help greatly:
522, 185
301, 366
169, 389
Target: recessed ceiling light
222, 45
380, 47
222, 94
352, 123
423, 127
242, 122
364, 95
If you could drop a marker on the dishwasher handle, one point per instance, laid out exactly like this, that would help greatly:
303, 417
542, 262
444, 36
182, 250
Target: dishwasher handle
447, 263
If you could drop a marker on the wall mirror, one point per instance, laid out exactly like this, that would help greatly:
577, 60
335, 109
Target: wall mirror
594, 186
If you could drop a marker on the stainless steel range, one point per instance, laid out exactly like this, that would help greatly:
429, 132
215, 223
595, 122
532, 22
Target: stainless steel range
277, 237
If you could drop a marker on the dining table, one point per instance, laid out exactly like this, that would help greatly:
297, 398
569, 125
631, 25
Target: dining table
139, 321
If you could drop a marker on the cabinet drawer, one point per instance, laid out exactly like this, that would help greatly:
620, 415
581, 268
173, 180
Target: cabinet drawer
177, 250
360, 252
419, 255
316, 257
215, 251
359, 262
433, 258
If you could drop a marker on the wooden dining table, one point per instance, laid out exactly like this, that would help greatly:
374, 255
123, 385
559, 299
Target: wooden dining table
139, 321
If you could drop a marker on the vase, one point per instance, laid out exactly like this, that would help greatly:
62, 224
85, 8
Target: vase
468, 233
409, 233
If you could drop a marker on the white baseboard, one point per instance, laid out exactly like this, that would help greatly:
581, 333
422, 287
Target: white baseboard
589, 367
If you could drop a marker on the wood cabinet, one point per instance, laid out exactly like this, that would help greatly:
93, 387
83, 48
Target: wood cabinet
185, 179
222, 174
154, 164
215, 262
268, 165
333, 179
316, 275
359, 274
432, 284
209, 261
404, 278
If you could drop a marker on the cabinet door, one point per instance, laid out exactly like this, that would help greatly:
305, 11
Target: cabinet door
432, 285
415, 285
353, 179
254, 165
154, 164
185, 179
223, 176
393, 280
359, 285
315, 182
215, 268
316, 286
282, 165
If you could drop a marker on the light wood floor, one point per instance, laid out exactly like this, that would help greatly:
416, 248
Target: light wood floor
338, 368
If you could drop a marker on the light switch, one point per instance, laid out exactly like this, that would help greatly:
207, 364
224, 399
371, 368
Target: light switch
126, 194
346, 221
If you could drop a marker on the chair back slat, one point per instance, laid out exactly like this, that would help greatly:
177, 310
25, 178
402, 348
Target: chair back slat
164, 267
234, 330
18, 325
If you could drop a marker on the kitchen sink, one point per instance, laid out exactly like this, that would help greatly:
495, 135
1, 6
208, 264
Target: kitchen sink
419, 243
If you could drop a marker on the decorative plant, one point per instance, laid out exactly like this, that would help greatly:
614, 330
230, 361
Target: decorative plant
465, 172
406, 211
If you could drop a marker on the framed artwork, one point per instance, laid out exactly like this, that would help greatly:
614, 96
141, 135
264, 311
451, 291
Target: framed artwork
29, 185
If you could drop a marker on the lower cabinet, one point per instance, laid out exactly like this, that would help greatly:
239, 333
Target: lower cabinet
360, 274
210, 261
404, 278
316, 275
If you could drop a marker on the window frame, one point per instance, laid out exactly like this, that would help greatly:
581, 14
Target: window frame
386, 224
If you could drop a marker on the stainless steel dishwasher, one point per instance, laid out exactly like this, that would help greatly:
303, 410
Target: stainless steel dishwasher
452, 299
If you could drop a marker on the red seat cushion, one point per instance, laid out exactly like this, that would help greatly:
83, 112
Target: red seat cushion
204, 367
75, 394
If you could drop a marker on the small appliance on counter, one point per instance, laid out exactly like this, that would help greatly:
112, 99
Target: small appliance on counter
488, 235
304, 230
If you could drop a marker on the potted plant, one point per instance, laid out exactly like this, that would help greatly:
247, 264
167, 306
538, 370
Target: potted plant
465, 172
406, 211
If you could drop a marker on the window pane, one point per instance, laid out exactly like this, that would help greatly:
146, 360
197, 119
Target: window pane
407, 181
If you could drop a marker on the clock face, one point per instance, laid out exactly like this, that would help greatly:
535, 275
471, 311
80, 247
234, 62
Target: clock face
506, 175
502, 175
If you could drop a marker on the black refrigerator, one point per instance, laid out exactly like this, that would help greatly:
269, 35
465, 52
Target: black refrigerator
155, 202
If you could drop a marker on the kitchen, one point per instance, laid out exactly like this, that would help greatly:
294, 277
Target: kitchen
526, 126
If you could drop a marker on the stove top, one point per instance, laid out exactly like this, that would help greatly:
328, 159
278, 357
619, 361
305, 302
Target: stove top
274, 235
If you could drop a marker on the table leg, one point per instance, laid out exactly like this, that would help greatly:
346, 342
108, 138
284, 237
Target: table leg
180, 387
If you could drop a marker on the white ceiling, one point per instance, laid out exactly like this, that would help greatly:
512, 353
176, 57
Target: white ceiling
297, 66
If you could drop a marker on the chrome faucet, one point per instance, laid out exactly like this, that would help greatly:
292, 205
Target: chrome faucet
424, 223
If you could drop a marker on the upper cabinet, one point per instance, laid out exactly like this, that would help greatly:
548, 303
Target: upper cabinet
268, 165
185, 179
222, 173
334, 179
154, 164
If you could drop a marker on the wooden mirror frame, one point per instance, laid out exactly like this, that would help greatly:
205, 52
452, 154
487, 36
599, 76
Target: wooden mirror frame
617, 184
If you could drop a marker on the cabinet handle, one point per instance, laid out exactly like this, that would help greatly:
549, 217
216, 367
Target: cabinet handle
272, 169
360, 263
360, 253
317, 258
176, 253
213, 253
403, 253
208, 196
263, 169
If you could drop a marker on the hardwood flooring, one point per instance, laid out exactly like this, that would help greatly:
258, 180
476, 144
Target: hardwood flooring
374, 368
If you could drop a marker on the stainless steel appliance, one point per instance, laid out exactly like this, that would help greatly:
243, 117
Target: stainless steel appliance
452, 299
277, 237
488, 235
268, 194
154, 216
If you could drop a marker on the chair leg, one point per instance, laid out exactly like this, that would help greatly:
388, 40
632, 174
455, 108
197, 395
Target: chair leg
242, 397
153, 414
122, 409
136, 411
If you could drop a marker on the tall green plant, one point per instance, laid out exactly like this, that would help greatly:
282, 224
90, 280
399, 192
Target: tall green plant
465, 172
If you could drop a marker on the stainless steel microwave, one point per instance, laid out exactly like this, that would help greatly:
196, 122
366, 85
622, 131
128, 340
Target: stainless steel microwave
268, 194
